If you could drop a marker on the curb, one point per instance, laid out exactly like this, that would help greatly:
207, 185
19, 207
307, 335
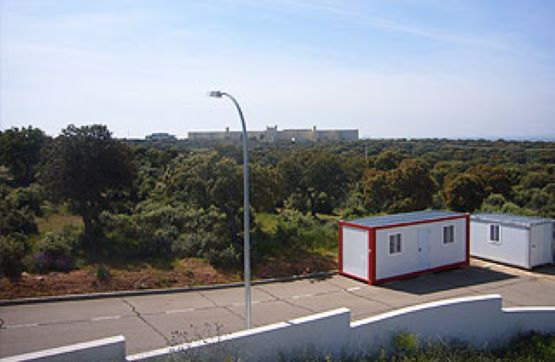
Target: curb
130, 293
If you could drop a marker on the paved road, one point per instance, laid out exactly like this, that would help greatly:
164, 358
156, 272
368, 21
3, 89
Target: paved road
149, 322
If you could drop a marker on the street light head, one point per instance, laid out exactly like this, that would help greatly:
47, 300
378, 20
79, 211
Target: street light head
215, 94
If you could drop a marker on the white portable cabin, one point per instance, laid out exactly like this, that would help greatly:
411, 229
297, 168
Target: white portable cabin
517, 240
384, 248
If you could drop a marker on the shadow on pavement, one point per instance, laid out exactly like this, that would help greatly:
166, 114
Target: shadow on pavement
447, 280
545, 269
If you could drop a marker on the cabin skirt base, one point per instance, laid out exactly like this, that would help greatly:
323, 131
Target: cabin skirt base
510, 264
407, 275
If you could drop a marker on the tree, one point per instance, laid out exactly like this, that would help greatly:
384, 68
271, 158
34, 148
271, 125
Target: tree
464, 192
20, 151
15, 217
265, 187
412, 187
204, 180
388, 160
495, 179
375, 190
83, 166
408, 187
317, 180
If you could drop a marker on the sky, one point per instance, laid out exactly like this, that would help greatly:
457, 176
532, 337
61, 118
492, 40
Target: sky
391, 68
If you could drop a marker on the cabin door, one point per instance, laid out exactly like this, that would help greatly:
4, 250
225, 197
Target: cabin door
424, 248
355, 252
539, 252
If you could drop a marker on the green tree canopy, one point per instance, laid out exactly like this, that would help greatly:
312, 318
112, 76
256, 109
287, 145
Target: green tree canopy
465, 192
316, 179
83, 166
20, 151
408, 187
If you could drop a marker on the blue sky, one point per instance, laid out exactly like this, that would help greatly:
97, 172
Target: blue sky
395, 68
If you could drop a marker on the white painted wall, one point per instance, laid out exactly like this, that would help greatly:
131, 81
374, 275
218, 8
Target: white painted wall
477, 320
106, 349
514, 246
408, 261
355, 252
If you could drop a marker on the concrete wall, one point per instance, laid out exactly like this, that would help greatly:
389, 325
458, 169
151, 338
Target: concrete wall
409, 260
513, 246
478, 320
336, 135
107, 349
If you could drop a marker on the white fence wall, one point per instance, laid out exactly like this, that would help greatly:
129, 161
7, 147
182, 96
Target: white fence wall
106, 349
476, 320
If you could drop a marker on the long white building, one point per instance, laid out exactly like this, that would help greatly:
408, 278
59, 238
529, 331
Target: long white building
272, 134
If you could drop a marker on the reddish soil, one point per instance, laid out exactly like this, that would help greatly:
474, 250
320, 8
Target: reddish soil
187, 272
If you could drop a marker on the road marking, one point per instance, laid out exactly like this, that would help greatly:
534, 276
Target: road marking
353, 289
172, 311
105, 318
241, 304
24, 325
301, 296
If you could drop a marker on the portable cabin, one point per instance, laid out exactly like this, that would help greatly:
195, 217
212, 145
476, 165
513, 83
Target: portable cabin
516, 240
384, 248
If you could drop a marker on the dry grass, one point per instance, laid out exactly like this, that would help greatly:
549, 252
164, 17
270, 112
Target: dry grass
57, 222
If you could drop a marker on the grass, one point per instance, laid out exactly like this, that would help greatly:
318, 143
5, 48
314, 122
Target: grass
56, 221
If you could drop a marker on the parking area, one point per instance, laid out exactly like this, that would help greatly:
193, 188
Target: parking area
154, 321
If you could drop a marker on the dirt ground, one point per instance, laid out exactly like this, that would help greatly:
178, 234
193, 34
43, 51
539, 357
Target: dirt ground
186, 272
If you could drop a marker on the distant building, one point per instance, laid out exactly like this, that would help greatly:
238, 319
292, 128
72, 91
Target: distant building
161, 137
271, 134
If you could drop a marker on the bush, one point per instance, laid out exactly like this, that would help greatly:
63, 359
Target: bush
294, 231
29, 198
12, 251
13, 220
102, 273
55, 251
227, 258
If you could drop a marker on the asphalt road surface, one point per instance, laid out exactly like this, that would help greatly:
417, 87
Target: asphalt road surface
154, 321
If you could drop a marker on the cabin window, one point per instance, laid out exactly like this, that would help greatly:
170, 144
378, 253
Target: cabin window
494, 233
449, 234
394, 243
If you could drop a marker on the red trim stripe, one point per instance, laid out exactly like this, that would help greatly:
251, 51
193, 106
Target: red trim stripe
467, 239
372, 256
340, 246
354, 276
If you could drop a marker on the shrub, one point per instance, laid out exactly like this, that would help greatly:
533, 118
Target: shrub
405, 343
55, 251
29, 198
13, 220
227, 258
294, 230
102, 273
12, 251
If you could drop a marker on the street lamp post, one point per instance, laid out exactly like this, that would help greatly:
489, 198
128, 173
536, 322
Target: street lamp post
246, 245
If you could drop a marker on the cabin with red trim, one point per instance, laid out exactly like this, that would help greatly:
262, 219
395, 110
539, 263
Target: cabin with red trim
380, 249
